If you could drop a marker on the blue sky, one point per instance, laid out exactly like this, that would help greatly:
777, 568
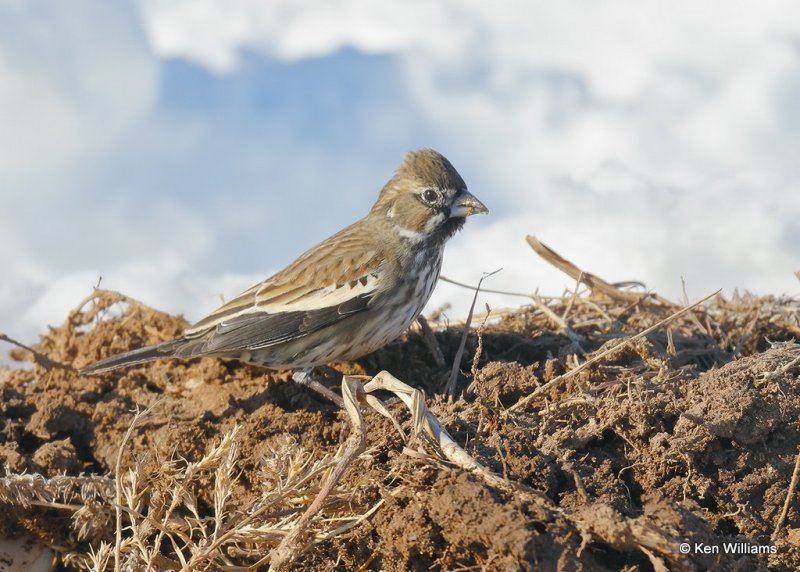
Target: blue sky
185, 149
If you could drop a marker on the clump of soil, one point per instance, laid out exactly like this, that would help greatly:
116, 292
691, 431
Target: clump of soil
687, 435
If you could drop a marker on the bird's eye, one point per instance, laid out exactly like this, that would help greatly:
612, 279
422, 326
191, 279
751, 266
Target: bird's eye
430, 196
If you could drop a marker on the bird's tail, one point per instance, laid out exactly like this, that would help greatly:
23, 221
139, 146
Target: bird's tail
133, 357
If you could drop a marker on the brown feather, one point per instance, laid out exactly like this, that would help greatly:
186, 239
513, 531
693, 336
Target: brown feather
320, 267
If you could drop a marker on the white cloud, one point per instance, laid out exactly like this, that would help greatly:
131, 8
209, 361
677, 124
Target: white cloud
165, 279
535, 91
67, 94
212, 32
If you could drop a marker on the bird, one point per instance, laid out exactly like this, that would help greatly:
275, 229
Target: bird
346, 297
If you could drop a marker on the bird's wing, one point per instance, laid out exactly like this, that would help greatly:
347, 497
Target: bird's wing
332, 281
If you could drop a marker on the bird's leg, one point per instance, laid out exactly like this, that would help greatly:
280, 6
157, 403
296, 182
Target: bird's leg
304, 377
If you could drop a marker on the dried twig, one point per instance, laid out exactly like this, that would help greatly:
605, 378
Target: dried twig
479, 350
789, 495
782, 370
118, 485
560, 323
485, 290
450, 387
288, 550
38, 357
430, 340
596, 283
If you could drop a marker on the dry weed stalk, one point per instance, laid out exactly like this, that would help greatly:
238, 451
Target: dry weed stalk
289, 548
450, 386
596, 283
38, 357
787, 502
29, 490
430, 340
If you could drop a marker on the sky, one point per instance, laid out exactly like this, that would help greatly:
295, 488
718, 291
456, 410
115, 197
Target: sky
183, 150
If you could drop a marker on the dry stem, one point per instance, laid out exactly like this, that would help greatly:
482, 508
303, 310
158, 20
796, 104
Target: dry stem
789, 495
288, 550
118, 486
596, 283
450, 388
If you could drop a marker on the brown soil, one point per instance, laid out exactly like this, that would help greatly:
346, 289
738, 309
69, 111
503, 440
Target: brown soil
687, 435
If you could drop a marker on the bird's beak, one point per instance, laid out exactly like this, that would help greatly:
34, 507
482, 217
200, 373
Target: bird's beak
467, 205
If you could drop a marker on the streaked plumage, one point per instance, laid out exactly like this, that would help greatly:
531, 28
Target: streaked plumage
345, 297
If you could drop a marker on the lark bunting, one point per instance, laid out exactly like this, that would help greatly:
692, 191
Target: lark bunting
347, 296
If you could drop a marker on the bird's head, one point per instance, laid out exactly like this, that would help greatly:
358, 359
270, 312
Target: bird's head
426, 198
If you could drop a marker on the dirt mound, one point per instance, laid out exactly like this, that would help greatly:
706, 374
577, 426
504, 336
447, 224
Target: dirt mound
686, 435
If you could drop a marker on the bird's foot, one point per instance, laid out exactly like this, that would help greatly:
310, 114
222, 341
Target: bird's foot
305, 377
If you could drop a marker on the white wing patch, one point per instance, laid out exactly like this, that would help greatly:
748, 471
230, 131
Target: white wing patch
271, 298
326, 297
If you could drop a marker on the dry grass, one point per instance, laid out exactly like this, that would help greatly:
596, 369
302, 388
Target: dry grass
162, 525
